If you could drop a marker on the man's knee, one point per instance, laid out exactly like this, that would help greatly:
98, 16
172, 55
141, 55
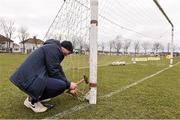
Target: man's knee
56, 85
62, 86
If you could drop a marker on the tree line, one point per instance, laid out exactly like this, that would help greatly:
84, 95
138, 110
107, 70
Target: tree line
10, 31
122, 45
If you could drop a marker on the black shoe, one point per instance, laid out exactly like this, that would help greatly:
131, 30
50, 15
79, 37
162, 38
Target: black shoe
49, 106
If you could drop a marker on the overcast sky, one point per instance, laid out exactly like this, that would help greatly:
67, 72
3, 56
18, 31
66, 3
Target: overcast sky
37, 15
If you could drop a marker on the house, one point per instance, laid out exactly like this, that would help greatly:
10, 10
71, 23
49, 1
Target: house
6, 44
16, 48
31, 44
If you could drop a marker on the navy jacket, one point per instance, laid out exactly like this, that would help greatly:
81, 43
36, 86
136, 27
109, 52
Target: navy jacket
44, 62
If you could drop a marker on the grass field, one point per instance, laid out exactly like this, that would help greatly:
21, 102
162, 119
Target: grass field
157, 97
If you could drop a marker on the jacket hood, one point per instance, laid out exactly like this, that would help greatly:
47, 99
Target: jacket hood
53, 41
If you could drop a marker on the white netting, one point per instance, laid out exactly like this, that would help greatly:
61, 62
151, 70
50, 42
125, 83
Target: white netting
138, 22
71, 23
119, 21
125, 27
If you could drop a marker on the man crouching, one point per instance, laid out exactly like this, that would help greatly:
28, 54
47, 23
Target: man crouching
41, 75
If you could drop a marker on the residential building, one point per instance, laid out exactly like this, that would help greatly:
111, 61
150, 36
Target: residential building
31, 44
6, 45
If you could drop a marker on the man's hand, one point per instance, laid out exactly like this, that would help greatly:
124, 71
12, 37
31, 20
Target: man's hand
73, 86
73, 92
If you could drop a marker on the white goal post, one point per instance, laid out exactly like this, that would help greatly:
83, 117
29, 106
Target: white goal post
93, 51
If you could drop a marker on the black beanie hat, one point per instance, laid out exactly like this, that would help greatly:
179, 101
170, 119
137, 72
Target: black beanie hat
68, 45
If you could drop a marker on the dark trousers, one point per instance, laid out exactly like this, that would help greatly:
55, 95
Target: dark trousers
53, 88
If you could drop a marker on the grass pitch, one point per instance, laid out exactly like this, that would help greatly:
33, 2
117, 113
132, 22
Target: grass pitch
157, 97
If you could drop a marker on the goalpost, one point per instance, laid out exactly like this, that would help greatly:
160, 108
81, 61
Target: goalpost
93, 51
77, 21
172, 32
116, 28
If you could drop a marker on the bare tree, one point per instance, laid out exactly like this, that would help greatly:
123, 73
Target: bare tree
86, 47
8, 29
23, 35
110, 46
59, 37
145, 45
80, 44
102, 46
136, 46
161, 48
156, 47
117, 44
75, 41
174, 48
127, 43
168, 47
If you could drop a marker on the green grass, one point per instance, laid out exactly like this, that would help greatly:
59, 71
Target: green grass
157, 97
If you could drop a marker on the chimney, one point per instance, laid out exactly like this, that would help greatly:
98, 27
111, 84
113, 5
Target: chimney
34, 37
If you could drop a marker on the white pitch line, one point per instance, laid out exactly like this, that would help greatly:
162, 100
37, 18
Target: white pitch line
84, 105
69, 111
